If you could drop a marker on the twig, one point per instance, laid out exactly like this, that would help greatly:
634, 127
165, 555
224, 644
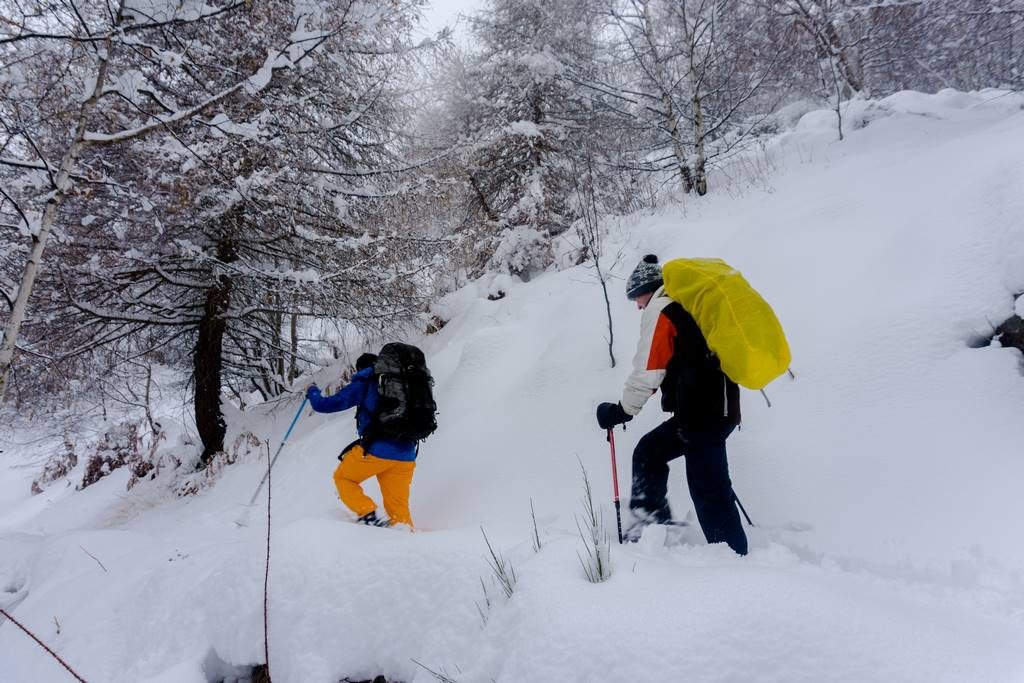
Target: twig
597, 565
536, 534
436, 674
93, 557
590, 235
43, 645
266, 578
487, 602
502, 569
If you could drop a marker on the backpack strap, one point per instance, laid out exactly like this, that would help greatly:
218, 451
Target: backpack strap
368, 434
346, 449
695, 388
690, 346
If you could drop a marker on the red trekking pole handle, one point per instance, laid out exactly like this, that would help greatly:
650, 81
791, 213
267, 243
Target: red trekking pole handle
615, 485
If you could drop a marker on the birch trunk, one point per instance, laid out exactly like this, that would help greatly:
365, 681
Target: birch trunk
62, 183
700, 163
671, 118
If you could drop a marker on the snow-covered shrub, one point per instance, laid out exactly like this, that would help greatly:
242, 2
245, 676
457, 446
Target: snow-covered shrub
597, 564
131, 444
57, 467
435, 324
112, 453
124, 445
246, 446
151, 462
522, 251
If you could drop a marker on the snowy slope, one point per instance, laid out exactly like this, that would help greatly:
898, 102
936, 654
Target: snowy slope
884, 480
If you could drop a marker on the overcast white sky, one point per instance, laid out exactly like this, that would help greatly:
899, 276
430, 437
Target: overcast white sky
439, 13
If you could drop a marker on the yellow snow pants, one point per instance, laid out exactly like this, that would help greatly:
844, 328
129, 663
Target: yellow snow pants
394, 477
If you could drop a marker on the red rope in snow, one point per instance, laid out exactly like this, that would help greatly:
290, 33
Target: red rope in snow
43, 645
266, 585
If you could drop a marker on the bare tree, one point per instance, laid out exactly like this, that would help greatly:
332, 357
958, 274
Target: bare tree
693, 71
588, 230
640, 33
837, 35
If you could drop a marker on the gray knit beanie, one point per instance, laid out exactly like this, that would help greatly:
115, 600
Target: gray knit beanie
646, 277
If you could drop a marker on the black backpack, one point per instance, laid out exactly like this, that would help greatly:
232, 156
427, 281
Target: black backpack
702, 397
405, 409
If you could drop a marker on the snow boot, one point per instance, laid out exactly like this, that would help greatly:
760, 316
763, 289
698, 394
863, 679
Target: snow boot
371, 519
641, 519
637, 520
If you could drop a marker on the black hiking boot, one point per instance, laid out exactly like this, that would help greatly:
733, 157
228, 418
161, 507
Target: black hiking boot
371, 519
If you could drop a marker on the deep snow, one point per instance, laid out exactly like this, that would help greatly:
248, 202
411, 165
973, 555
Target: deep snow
884, 480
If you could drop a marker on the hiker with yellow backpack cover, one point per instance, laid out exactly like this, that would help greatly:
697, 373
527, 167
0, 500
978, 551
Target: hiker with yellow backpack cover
704, 331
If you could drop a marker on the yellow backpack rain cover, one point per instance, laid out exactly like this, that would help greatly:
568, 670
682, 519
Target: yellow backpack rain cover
738, 324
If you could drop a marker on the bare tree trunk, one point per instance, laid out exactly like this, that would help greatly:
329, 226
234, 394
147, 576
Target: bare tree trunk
847, 58
293, 370
208, 360
491, 215
61, 183
839, 97
149, 410
827, 36
277, 339
685, 174
208, 365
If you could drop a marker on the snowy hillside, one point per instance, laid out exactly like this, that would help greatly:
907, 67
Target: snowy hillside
884, 480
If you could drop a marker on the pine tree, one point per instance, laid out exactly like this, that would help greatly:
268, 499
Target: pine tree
522, 118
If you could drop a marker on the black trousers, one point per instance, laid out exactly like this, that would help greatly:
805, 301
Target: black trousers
707, 474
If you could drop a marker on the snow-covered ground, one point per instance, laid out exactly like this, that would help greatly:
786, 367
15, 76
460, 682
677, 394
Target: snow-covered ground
885, 480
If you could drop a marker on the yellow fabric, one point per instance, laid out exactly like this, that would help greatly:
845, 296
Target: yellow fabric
394, 477
739, 325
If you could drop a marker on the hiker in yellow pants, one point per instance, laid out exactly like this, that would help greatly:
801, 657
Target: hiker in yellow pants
394, 477
391, 460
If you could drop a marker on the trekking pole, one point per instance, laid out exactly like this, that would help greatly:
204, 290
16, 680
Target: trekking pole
615, 485
243, 521
742, 509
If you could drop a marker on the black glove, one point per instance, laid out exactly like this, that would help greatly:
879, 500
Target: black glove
611, 414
